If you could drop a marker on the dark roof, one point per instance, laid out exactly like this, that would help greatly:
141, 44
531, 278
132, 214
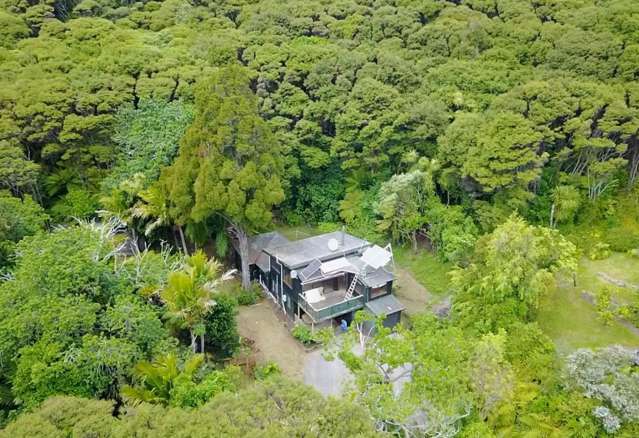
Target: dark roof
301, 252
385, 305
377, 278
258, 243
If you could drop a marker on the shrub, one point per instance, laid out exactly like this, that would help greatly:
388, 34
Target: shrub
303, 334
608, 376
599, 251
267, 370
250, 296
243, 297
630, 313
604, 301
221, 327
77, 203
621, 239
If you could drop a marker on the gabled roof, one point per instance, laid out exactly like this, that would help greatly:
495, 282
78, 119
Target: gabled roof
302, 252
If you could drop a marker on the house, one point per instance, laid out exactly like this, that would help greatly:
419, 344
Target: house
324, 278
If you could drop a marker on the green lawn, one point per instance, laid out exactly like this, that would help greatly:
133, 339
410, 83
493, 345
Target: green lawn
619, 267
427, 269
568, 318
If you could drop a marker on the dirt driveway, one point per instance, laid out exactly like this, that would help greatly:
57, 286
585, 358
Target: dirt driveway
415, 296
260, 323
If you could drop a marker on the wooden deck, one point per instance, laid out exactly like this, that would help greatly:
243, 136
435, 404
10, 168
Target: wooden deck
333, 305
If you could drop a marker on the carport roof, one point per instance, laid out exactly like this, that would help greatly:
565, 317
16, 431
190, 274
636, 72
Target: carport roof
384, 306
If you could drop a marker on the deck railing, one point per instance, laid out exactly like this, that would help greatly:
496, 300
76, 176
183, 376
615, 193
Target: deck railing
340, 308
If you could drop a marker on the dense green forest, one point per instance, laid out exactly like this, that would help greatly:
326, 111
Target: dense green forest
498, 137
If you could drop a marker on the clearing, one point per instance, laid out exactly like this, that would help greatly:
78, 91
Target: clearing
568, 315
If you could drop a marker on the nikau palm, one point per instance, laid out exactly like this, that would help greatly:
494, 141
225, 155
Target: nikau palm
158, 378
189, 294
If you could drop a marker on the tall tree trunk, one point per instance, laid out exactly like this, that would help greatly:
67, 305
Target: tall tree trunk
552, 216
633, 161
244, 256
202, 343
242, 238
182, 239
193, 341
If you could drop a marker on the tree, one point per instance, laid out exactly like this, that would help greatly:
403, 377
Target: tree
18, 218
153, 207
221, 327
403, 201
274, 408
17, 173
69, 322
168, 381
497, 153
414, 382
491, 375
607, 375
189, 295
131, 319
229, 162
511, 269
565, 203
147, 139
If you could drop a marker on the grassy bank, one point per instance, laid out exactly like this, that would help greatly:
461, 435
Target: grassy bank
425, 267
569, 317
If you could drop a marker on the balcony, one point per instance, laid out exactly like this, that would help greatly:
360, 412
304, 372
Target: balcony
320, 305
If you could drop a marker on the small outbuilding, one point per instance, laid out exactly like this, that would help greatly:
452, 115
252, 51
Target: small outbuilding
388, 307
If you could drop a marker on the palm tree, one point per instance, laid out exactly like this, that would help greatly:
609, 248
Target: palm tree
153, 206
189, 293
156, 379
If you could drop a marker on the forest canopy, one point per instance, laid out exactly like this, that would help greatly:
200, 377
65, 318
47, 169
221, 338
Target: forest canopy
139, 140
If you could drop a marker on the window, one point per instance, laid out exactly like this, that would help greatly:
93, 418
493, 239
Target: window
378, 292
287, 278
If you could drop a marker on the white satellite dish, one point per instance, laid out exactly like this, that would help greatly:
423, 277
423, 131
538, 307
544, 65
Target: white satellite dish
293, 273
333, 244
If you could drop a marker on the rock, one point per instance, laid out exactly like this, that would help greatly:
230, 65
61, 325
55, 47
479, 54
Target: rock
442, 310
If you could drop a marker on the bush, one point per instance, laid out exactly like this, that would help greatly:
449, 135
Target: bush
303, 334
250, 296
267, 370
221, 327
630, 313
604, 301
599, 251
18, 218
243, 297
77, 203
186, 393
621, 239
